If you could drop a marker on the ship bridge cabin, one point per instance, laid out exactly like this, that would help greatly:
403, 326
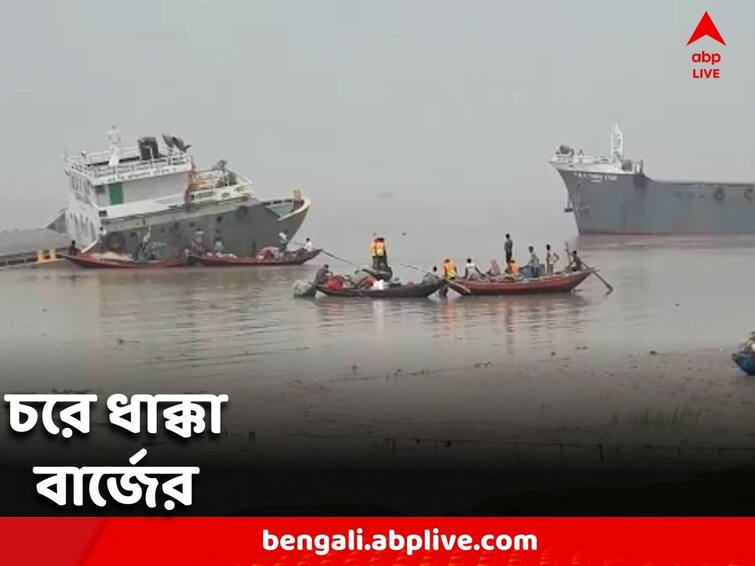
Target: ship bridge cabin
140, 180
119, 176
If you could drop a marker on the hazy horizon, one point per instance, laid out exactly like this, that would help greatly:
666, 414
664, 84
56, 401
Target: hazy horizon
452, 108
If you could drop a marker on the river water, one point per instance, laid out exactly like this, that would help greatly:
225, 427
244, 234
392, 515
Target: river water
196, 324
329, 380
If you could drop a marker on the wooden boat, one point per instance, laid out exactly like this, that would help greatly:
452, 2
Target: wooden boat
294, 258
559, 283
407, 291
94, 261
745, 362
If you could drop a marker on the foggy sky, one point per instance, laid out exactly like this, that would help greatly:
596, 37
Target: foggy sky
453, 107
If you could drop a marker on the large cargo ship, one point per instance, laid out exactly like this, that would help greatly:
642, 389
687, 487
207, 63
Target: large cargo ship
119, 195
613, 195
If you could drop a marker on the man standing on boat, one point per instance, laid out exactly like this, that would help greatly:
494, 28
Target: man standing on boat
197, 243
142, 252
533, 266
219, 247
575, 263
551, 258
283, 241
379, 254
508, 247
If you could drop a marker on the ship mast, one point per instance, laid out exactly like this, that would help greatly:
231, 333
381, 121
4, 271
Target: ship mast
617, 143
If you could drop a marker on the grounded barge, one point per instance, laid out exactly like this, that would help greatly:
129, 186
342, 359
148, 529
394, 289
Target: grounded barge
118, 196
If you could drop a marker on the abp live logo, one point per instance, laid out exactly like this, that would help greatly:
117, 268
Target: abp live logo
705, 64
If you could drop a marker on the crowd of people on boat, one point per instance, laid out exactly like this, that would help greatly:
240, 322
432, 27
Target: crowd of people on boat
379, 274
360, 279
149, 250
199, 247
513, 271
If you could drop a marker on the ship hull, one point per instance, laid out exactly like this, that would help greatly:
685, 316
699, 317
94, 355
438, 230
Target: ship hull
632, 203
244, 227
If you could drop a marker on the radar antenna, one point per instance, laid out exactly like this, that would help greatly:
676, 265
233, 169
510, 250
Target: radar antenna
617, 142
180, 145
168, 141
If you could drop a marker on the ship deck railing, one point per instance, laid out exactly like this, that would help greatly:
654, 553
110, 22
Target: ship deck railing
584, 159
636, 167
218, 178
226, 192
95, 166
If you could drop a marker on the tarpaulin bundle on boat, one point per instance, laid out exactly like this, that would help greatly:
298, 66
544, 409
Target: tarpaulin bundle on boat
384, 274
303, 288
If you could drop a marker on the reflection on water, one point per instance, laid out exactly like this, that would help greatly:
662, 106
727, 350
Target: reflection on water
243, 324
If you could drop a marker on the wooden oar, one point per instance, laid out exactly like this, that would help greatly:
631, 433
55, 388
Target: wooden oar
595, 271
412, 266
327, 253
459, 288
91, 246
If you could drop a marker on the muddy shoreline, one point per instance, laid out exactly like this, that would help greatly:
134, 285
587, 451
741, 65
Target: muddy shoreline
571, 403
490, 438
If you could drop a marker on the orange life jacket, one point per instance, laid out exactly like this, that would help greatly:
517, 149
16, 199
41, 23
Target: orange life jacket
449, 269
379, 249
